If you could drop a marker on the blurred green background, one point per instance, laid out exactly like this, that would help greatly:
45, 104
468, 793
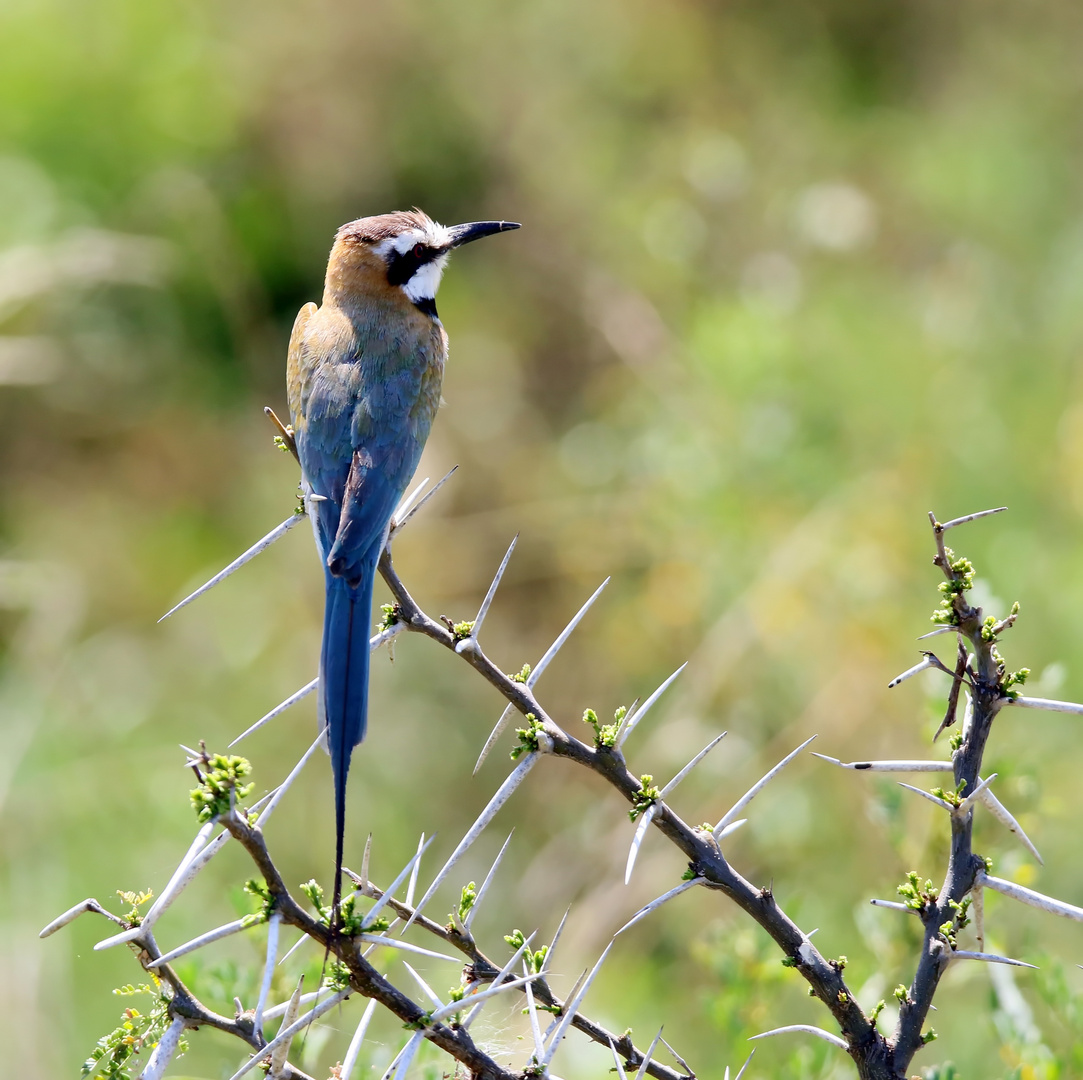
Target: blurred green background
791, 274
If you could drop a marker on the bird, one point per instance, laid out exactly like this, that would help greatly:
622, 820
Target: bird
363, 379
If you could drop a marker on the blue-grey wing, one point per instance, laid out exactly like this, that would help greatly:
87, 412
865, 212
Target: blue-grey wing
359, 452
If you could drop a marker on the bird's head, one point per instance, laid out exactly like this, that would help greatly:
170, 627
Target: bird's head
404, 251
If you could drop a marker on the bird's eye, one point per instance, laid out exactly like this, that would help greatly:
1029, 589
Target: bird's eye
418, 251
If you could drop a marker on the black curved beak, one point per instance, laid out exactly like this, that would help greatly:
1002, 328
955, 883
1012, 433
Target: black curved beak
475, 230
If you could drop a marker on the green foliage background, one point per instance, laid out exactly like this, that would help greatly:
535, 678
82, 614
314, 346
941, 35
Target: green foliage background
791, 274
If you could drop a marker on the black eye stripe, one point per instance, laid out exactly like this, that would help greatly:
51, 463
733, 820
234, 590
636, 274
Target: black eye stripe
401, 266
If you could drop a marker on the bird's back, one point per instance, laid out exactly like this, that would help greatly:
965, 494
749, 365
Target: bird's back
365, 377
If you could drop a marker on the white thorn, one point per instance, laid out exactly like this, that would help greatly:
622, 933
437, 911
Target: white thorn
971, 517
637, 839
485, 884
621, 1074
644, 911
280, 1043
535, 1027
405, 946
363, 884
184, 877
208, 938
177, 886
680, 1060
299, 695
354, 1050
1003, 815
288, 782
570, 1008
389, 892
808, 1029
757, 787
536, 672
293, 948
989, 958
940, 630
262, 801
744, 1066
889, 766
515, 778
1034, 899
282, 1007
409, 1052
504, 972
647, 1057
428, 495
977, 907
547, 962
280, 1054
483, 611
273, 925
553, 1023
550, 653
732, 827
930, 796
163, 1053
425, 988
404, 507
925, 664
409, 901
1045, 703
477, 1000
296, 696
631, 722
498, 730
71, 915
194, 860
691, 765
571, 994
968, 802
968, 716
194, 849
395, 1060
237, 563
893, 905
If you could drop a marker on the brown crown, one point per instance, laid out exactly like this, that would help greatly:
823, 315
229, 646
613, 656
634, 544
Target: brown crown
371, 230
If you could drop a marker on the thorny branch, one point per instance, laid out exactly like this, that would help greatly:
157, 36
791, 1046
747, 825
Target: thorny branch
482, 969
363, 978
978, 667
985, 672
186, 1005
704, 856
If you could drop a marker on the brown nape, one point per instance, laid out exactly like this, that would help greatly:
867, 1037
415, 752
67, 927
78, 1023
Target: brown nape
371, 230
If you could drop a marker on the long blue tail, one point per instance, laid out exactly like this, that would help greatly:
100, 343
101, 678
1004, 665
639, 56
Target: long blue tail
344, 687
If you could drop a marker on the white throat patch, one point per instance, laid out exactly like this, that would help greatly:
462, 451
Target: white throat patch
426, 280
